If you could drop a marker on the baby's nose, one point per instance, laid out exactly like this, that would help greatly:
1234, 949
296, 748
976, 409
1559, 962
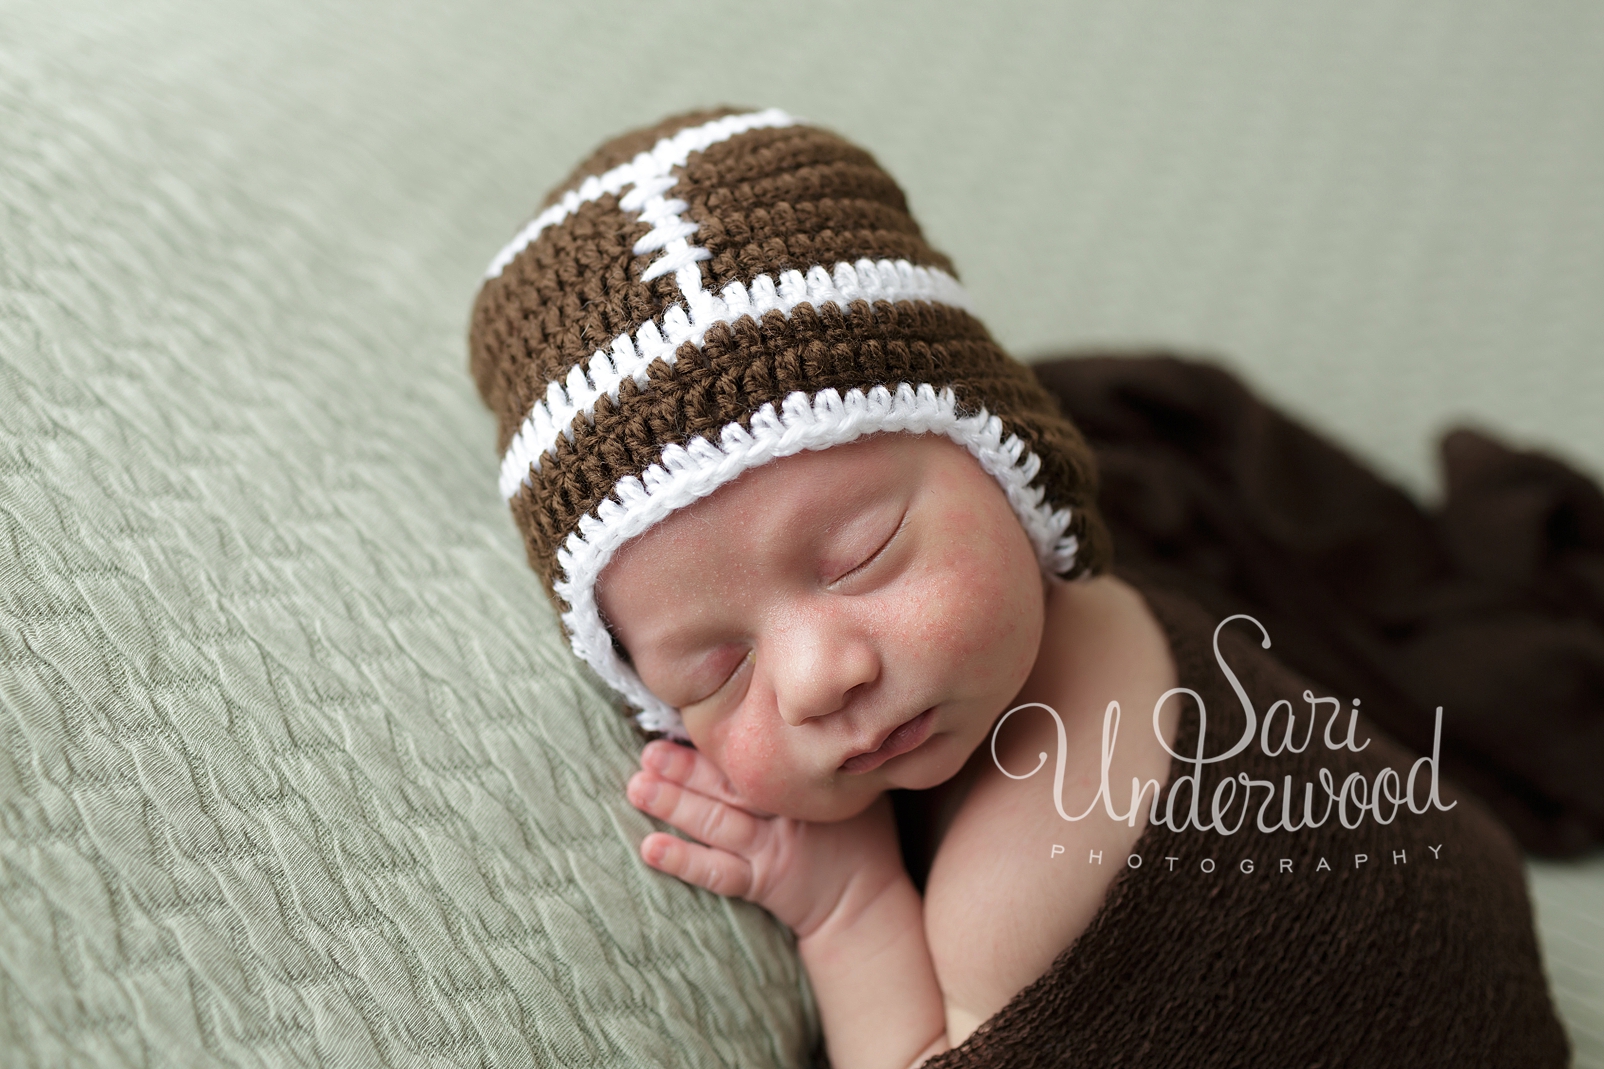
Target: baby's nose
822, 671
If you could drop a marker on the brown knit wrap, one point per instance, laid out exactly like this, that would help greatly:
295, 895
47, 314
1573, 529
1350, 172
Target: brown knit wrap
759, 204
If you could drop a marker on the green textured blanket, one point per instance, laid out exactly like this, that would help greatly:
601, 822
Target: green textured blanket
294, 769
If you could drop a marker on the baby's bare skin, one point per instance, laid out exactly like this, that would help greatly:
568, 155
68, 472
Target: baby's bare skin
802, 615
998, 909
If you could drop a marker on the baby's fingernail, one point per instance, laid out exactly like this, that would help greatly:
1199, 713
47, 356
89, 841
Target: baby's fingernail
657, 757
643, 790
654, 850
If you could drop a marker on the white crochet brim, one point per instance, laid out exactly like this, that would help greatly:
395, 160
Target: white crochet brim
686, 474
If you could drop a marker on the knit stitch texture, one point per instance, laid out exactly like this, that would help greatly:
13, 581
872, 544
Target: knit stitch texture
718, 291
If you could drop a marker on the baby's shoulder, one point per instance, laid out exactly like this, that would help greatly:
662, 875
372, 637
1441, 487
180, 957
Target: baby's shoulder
1003, 899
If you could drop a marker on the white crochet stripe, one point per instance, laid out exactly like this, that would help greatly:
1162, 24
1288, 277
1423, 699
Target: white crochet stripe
688, 473
628, 357
649, 174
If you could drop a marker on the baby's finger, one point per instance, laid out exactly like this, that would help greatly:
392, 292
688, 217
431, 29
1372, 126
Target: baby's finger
720, 872
709, 820
691, 768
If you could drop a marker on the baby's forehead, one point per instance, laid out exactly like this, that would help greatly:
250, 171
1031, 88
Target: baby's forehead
814, 487
856, 463
789, 506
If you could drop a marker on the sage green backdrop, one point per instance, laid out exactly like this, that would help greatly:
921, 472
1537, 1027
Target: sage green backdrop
294, 769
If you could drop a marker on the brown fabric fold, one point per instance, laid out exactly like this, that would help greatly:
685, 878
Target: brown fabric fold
1491, 604
1333, 945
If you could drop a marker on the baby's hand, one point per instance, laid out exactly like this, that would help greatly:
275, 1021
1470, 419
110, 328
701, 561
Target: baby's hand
798, 871
841, 888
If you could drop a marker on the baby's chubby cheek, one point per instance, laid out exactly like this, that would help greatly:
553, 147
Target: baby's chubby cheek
767, 775
749, 757
976, 613
963, 621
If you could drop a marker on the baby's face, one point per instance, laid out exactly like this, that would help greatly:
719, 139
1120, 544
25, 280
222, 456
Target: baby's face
835, 623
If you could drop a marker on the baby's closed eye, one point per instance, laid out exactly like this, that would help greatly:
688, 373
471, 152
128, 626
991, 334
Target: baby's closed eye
876, 554
727, 684
861, 543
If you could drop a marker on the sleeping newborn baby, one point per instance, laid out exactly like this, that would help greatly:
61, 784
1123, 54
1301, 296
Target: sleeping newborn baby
828, 540
859, 624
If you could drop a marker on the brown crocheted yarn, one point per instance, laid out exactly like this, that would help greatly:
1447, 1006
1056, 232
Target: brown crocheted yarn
694, 276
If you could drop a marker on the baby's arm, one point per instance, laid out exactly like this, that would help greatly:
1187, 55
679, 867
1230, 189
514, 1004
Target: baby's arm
841, 888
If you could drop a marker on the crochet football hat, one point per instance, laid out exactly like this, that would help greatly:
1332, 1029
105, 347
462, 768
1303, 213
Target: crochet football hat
712, 293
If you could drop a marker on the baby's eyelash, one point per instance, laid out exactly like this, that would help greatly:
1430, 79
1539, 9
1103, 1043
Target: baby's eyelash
750, 655
871, 558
